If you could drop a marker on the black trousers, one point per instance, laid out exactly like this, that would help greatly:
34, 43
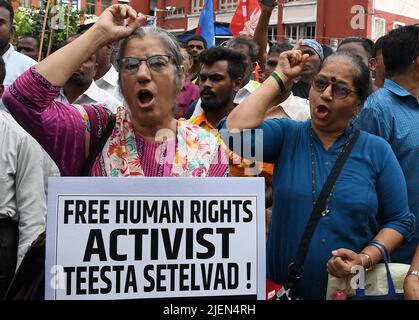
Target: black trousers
9, 240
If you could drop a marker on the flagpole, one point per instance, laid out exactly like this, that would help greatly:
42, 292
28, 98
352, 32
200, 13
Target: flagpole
68, 16
44, 24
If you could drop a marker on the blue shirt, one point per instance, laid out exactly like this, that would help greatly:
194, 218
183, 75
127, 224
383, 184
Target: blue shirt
369, 194
393, 114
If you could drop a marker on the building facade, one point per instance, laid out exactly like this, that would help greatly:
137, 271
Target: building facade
328, 21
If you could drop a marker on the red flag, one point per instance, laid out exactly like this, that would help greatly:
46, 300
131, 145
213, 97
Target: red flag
245, 18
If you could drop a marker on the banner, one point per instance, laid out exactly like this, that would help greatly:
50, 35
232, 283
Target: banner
206, 23
135, 238
245, 18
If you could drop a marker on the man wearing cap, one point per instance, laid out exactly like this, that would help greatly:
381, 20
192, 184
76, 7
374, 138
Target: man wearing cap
311, 68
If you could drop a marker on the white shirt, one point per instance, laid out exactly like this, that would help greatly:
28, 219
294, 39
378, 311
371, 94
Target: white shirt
16, 64
293, 107
93, 94
242, 94
22, 193
109, 83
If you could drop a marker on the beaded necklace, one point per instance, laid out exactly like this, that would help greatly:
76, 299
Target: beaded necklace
326, 211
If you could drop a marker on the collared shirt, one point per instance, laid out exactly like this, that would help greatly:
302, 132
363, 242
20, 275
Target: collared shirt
237, 165
109, 83
393, 114
244, 92
16, 63
188, 94
369, 194
293, 107
22, 193
94, 95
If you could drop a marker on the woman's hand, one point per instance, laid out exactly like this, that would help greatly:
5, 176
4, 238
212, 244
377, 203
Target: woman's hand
291, 63
117, 22
342, 261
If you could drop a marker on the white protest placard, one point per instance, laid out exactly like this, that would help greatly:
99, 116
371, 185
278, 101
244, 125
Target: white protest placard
137, 238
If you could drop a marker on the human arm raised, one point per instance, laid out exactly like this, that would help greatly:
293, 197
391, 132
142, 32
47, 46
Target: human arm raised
261, 32
116, 22
251, 112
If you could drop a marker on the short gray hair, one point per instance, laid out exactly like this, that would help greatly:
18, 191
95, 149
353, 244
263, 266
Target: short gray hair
250, 43
168, 40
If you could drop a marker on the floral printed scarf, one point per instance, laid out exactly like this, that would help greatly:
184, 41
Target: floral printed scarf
195, 150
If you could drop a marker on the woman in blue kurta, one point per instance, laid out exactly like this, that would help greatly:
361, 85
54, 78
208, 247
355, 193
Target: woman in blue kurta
368, 200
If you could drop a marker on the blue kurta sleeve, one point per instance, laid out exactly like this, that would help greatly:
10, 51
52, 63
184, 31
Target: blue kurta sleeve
392, 196
268, 137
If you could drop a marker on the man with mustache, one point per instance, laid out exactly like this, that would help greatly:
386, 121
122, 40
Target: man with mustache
221, 76
81, 87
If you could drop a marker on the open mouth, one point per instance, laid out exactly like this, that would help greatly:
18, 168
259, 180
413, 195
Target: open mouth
145, 98
321, 111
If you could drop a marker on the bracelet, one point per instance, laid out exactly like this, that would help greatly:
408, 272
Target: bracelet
369, 260
278, 79
413, 273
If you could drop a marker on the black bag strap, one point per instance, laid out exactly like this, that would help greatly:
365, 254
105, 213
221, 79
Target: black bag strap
296, 267
98, 148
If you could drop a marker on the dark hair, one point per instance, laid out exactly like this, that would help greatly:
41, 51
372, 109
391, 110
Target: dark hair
400, 48
250, 43
2, 70
366, 43
83, 27
236, 60
362, 79
31, 36
327, 51
183, 45
198, 38
280, 47
8, 7
378, 46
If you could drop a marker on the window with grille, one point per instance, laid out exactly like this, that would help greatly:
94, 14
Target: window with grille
294, 32
228, 5
105, 4
197, 6
176, 12
397, 24
90, 6
379, 27
25, 3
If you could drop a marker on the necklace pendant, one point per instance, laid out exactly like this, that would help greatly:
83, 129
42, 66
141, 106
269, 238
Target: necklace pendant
325, 212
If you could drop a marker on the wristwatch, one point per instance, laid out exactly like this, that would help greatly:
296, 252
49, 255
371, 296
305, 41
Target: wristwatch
413, 273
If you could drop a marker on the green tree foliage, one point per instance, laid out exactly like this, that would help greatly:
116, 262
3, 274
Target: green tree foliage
64, 22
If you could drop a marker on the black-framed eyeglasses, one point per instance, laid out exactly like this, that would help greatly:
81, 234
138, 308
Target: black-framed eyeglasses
339, 90
156, 63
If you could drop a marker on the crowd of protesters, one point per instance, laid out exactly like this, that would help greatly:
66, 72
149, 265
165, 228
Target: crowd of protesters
310, 102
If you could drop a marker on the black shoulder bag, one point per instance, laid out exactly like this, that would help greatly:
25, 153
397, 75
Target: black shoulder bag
296, 267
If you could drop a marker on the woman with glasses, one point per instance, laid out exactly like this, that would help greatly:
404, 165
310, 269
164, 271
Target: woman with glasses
146, 139
368, 200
